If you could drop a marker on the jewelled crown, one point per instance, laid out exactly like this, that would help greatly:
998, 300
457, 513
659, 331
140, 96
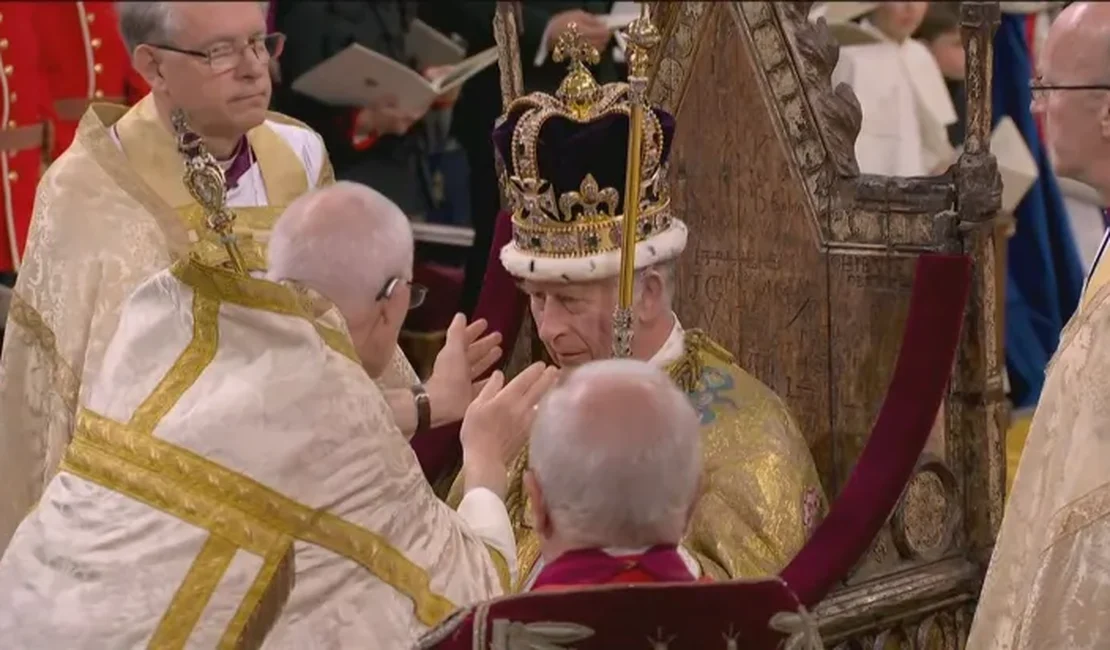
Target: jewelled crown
565, 159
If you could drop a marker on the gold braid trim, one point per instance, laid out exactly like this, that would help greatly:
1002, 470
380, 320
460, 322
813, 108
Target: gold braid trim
62, 378
180, 618
268, 296
258, 612
502, 566
186, 369
250, 514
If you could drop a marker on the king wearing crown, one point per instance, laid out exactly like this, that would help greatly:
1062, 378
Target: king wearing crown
565, 158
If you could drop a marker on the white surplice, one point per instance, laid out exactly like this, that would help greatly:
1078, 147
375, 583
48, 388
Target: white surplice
906, 105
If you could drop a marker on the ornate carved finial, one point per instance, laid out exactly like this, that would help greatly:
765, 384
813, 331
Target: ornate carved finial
579, 89
204, 178
643, 37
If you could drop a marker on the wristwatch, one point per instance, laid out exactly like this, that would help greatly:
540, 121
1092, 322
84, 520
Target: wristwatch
423, 408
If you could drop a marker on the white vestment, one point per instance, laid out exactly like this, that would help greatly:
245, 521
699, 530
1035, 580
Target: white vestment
905, 103
235, 475
111, 212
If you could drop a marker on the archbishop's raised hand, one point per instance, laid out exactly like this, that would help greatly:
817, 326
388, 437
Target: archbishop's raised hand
495, 429
449, 386
481, 351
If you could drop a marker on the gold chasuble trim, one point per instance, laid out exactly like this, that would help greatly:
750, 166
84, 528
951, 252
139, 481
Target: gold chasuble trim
264, 601
129, 459
192, 596
227, 503
185, 371
264, 295
502, 567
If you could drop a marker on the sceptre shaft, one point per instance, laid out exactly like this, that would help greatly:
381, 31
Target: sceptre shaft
642, 38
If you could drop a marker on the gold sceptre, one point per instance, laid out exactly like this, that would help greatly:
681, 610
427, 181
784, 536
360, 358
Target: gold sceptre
642, 37
204, 178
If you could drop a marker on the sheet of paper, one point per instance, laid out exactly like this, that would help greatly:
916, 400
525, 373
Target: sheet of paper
430, 47
1015, 163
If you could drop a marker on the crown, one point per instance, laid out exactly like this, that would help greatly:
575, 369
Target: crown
565, 157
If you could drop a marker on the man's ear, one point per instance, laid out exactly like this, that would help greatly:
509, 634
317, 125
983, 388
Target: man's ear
145, 62
394, 311
541, 522
651, 306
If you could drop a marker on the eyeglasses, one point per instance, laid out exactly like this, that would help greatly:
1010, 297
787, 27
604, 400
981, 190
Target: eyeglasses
224, 57
417, 292
1040, 90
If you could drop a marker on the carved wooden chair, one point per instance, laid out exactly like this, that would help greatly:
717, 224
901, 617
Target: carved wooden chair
804, 270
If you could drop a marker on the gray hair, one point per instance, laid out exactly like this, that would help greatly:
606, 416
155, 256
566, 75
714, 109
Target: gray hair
149, 22
345, 241
617, 454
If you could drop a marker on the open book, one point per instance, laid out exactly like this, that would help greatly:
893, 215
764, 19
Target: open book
430, 47
359, 76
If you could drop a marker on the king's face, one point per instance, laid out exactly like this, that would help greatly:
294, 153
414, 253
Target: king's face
574, 321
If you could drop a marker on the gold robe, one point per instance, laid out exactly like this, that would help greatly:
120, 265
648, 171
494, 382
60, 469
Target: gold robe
111, 212
762, 496
1048, 585
235, 474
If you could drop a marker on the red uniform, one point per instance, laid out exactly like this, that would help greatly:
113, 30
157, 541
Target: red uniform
25, 112
85, 60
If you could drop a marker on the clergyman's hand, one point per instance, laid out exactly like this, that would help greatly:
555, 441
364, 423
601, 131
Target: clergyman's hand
384, 117
450, 384
435, 72
496, 426
481, 351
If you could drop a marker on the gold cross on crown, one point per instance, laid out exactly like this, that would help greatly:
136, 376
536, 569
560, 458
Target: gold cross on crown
572, 46
579, 90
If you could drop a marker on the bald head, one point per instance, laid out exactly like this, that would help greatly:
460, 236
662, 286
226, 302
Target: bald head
1077, 121
345, 241
616, 453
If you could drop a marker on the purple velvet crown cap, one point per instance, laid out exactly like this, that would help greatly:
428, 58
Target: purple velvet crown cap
567, 150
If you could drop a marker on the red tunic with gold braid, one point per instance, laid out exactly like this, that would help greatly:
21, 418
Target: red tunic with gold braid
85, 61
25, 112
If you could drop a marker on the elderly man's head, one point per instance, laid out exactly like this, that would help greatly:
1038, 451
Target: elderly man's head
355, 247
575, 320
1077, 120
615, 460
209, 58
